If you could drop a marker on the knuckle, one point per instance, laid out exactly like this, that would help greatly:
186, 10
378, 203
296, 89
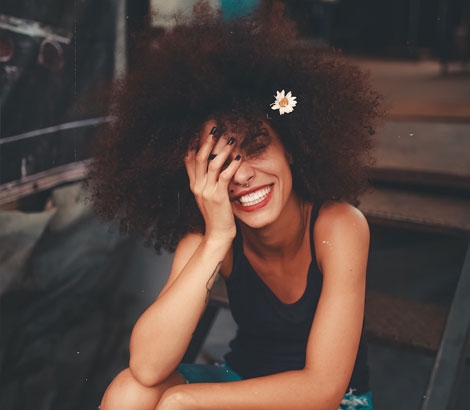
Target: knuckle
206, 195
200, 159
213, 166
225, 177
196, 189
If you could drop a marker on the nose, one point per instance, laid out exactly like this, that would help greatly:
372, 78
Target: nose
244, 174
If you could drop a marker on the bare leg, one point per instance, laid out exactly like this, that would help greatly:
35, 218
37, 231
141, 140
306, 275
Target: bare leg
125, 393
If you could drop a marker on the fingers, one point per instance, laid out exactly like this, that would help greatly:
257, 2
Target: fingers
200, 155
222, 166
215, 162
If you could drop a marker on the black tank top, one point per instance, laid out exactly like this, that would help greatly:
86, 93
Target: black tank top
272, 336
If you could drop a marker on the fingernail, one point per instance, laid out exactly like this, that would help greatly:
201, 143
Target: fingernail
212, 156
238, 157
231, 141
213, 130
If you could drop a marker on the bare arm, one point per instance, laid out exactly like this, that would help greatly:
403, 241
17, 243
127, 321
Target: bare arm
342, 241
162, 334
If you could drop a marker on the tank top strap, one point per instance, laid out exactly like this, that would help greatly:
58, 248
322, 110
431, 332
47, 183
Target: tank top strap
238, 242
313, 217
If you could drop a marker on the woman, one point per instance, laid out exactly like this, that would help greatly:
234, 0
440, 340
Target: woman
245, 151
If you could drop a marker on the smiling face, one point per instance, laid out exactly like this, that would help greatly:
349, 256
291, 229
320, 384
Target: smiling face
261, 188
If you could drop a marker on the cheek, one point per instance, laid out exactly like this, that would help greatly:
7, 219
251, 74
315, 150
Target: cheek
281, 172
284, 169
287, 177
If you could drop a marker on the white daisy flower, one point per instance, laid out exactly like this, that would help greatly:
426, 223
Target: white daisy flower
285, 103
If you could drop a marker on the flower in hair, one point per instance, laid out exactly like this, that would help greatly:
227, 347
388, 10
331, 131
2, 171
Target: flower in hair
285, 103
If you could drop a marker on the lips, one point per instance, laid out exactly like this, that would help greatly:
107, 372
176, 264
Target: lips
254, 199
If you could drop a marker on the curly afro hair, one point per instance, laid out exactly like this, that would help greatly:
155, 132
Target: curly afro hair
205, 68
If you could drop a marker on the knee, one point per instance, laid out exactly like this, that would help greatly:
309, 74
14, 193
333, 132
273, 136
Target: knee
125, 393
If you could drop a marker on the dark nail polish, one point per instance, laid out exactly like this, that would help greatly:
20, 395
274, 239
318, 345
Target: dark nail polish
212, 156
231, 141
238, 158
213, 130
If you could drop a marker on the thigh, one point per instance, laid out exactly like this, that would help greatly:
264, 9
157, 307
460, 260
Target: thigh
127, 393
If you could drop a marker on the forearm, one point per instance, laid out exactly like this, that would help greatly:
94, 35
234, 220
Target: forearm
162, 334
294, 390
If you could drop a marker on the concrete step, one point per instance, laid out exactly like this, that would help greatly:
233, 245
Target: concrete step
434, 155
421, 211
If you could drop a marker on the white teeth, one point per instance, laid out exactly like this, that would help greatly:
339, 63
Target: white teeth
255, 197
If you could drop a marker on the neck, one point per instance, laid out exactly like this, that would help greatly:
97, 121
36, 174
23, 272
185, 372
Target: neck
284, 237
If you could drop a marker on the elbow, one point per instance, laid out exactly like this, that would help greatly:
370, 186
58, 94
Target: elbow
327, 394
324, 401
148, 367
147, 374
332, 398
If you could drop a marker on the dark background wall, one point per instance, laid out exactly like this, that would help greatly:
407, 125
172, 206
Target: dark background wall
51, 83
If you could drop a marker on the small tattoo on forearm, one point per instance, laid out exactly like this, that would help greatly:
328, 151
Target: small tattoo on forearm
211, 280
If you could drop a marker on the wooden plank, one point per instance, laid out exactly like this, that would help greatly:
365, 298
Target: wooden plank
431, 181
429, 153
421, 211
416, 89
404, 323
423, 109
42, 181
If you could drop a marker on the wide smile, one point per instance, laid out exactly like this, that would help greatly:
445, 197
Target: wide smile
254, 200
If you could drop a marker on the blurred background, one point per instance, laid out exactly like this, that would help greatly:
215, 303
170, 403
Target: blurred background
71, 287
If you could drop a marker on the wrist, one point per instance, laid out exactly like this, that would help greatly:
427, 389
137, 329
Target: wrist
218, 242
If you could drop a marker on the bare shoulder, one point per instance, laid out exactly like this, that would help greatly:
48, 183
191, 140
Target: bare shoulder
340, 229
340, 216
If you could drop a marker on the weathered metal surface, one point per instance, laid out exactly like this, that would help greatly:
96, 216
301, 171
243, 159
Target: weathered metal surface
42, 181
60, 58
450, 359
